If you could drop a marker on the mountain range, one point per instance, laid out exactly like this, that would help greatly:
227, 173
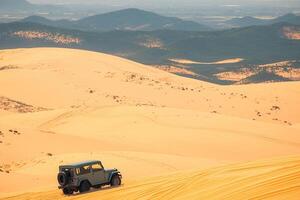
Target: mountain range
139, 20
127, 19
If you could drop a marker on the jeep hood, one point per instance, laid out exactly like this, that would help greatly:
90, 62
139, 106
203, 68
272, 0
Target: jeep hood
111, 170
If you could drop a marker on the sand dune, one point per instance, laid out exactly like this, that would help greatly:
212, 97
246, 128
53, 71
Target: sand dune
270, 179
290, 32
64, 78
84, 105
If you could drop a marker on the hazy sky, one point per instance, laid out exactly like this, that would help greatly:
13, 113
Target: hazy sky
176, 2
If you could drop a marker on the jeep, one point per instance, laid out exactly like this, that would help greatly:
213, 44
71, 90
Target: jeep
85, 175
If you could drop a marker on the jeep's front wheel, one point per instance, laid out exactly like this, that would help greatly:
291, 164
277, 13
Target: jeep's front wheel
115, 181
84, 187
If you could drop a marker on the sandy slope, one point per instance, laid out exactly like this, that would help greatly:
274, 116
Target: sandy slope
62, 105
270, 179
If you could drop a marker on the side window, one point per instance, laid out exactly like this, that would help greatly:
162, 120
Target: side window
77, 170
97, 167
83, 170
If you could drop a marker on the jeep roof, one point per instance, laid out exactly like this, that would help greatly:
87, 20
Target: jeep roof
80, 164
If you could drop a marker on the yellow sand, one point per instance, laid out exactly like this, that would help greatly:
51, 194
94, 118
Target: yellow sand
220, 62
147, 123
270, 179
176, 70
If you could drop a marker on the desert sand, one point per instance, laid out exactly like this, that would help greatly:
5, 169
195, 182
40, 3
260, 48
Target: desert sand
291, 32
220, 62
167, 134
268, 179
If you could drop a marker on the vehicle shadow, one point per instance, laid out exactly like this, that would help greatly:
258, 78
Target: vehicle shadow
92, 190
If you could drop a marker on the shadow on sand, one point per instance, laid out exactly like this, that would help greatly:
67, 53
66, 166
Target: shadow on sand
92, 190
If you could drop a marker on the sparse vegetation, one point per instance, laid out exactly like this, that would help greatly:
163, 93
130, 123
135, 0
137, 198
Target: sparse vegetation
291, 32
8, 67
16, 106
274, 108
54, 37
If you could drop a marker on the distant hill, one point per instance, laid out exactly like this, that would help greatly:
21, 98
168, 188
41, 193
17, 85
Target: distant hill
252, 21
254, 45
39, 20
135, 19
48, 22
128, 19
288, 18
245, 21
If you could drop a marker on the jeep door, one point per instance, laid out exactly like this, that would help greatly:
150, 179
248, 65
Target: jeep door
84, 173
98, 174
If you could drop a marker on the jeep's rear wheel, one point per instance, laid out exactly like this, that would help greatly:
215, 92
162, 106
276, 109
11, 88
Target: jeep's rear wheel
84, 186
67, 191
115, 181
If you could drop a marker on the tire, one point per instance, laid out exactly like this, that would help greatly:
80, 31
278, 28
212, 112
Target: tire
115, 181
67, 191
84, 187
62, 178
